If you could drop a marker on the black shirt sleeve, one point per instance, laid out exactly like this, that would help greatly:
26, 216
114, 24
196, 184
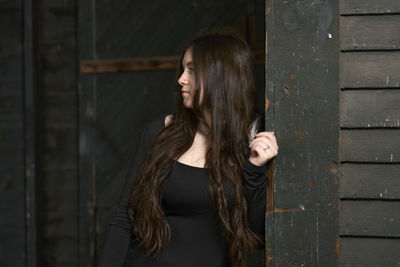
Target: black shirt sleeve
120, 231
255, 189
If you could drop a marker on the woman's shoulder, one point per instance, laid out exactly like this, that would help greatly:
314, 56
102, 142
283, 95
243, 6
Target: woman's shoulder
158, 122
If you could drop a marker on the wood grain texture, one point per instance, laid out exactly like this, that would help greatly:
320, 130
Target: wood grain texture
12, 170
369, 7
370, 145
129, 65
370, 218
302, 107
87, 252
56, 38
370, 181
142, 64
369, 252
370, 70
370, 108
370, 32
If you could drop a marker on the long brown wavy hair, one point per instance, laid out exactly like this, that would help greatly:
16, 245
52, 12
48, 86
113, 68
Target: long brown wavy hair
224, 65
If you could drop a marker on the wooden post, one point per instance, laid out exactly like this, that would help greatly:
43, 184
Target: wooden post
30, 136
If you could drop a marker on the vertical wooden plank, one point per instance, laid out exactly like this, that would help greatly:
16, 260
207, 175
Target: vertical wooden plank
269, 125
302, 90
12, 178
57, 85
30, 135
87, 118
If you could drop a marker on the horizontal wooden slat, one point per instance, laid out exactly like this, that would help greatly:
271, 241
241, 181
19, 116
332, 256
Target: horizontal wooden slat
370, 108
370, 218
142, 64
372, 145
369, 252
371, 181
370, 69
370, 32
133, 64
369, 6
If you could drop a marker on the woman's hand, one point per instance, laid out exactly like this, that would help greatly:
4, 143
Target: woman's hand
263, 148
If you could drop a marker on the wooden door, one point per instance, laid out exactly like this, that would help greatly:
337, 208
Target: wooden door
115, 105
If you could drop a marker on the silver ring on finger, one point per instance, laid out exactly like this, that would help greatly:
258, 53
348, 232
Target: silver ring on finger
266, 148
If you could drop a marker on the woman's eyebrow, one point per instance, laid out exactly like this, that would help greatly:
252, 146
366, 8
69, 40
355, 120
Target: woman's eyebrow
188, 64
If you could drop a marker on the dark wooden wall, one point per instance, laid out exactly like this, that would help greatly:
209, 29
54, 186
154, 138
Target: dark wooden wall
56, 31
302, 78
370, 133
13, 238
66, 138
38, 136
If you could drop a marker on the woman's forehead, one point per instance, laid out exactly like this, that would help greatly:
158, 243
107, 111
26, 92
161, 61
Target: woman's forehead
187, 58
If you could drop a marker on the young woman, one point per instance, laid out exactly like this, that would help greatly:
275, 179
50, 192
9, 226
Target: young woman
197, 186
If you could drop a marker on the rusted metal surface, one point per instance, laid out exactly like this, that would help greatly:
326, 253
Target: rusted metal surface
303, 107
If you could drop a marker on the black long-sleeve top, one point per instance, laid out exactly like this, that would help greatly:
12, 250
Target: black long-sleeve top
196, 234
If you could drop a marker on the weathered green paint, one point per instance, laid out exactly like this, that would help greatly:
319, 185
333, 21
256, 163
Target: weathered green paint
302, 40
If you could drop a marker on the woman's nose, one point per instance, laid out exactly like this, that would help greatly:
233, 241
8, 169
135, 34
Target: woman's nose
182, 80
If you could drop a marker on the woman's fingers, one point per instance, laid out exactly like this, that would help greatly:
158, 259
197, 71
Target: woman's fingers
263, 144
266, 141
258, 152
269, 135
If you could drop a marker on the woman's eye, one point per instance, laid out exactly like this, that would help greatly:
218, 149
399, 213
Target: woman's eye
190, 70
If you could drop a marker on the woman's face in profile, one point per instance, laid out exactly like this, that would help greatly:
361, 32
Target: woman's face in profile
187, 80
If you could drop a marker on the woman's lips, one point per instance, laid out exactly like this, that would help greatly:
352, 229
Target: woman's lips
185, 92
